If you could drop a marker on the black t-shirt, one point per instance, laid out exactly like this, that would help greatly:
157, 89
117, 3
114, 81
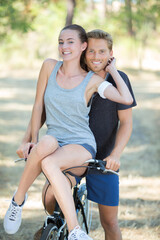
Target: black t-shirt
104, 119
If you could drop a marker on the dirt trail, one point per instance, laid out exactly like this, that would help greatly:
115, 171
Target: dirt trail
139, 211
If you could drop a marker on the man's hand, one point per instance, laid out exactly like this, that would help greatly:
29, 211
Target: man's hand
24, 149
113, 162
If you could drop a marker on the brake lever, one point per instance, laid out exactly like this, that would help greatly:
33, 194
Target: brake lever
111, 171
20, 159
23, 159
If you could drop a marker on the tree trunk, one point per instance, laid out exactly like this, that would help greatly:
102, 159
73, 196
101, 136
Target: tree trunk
92, 5
129, 17
70, 11
28, 5
104, 9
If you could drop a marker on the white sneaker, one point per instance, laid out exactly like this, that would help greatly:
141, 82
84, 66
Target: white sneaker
78, 234
12, 219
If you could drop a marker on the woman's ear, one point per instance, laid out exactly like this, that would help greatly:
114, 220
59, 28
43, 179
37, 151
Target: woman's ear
111, 53
84, 46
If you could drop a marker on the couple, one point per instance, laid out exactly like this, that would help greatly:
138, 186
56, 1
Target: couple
64, 90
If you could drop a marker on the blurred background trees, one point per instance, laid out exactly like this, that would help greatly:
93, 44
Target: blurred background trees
29, 28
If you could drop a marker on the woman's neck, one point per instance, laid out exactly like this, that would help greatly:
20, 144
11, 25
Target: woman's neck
71, 69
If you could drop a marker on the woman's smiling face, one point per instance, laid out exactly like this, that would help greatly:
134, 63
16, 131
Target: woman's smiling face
70, 45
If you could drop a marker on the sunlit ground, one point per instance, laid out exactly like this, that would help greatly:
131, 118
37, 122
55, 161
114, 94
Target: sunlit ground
139, 211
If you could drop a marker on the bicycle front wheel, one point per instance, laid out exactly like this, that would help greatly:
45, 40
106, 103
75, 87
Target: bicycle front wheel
50, 232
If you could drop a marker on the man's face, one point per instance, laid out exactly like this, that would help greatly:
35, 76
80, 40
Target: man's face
97, 54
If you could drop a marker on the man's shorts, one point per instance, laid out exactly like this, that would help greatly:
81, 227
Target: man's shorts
103, 189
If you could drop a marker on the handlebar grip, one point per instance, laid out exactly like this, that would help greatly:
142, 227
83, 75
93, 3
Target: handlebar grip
102, 166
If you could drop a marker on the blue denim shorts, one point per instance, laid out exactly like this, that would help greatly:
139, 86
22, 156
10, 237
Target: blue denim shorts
88, 147
103, 189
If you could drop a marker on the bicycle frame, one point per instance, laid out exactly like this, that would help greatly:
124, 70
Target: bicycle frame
58, 220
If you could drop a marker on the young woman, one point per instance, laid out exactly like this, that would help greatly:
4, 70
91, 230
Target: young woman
65, 90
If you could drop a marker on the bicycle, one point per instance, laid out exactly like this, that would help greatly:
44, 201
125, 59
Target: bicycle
55, 227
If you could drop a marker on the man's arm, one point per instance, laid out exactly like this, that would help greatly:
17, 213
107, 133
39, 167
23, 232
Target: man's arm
122, 138
26, 144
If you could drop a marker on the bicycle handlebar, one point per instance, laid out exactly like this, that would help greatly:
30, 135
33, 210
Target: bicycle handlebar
101, 166
94, 167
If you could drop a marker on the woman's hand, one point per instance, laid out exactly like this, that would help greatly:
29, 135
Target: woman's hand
111, 65
24, 149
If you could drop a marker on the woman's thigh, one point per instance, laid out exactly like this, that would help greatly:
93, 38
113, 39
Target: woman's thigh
70, 155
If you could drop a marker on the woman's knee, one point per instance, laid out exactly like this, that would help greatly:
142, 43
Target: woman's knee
46, 146
46, 164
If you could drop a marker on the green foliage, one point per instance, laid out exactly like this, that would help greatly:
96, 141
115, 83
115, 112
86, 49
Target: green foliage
14, 17
36, 24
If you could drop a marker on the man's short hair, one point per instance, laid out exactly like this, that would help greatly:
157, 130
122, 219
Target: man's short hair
100, 34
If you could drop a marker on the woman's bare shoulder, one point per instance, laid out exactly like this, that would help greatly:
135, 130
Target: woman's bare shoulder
93, 85
97, 79
50, 62
48, 65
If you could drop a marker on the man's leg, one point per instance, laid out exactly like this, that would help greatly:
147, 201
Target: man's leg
48, 198
109, 221
104, 190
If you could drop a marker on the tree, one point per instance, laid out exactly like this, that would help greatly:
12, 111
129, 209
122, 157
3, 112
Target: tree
71, 4
15, 15
104, 8
92, 5
128, 8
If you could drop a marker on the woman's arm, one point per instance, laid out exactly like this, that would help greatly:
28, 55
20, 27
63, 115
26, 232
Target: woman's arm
26, 145
38, 112
121, 94
38, 107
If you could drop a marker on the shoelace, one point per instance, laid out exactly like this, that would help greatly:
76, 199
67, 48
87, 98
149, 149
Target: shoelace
14, 211
74, 236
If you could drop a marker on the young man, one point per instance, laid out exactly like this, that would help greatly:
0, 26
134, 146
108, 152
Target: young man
111, 124
105, 116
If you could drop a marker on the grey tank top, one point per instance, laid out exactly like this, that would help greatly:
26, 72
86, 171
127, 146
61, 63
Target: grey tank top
67, 116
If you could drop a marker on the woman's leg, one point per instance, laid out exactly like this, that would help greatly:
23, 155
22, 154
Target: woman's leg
49, 201
52, 166
12, 219
45, 146
48, 197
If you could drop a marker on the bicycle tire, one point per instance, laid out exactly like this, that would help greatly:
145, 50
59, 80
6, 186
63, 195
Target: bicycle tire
87, 207
50, 232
